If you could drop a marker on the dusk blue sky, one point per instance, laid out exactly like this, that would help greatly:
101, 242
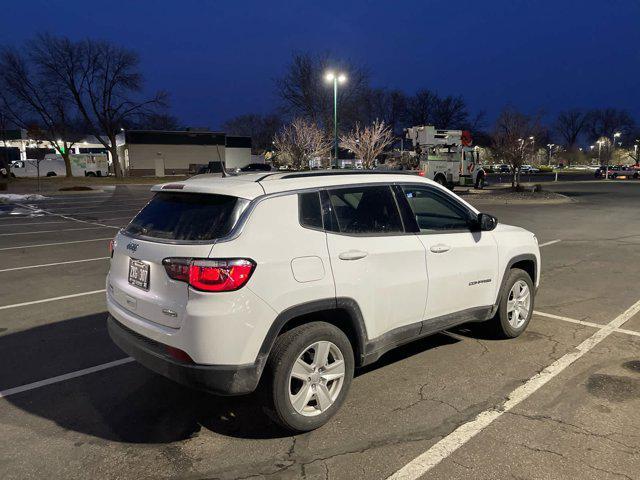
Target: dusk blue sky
219, 59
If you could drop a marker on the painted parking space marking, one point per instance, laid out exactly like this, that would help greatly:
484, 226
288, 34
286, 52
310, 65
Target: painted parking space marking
52, 299
55, 243
585, 323
465, 432
66, 376
546, 244
106, 204
53, 264
56, 231
69, 217
69, 222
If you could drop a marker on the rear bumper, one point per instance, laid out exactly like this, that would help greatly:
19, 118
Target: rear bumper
218, 379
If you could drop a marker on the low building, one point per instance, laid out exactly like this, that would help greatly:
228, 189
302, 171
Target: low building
237, 152
161, 153
144, 152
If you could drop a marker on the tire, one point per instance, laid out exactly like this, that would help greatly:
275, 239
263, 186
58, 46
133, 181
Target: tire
51, 174
91, 174
504, 327
12, 175
441, 180
281, 386
479, 182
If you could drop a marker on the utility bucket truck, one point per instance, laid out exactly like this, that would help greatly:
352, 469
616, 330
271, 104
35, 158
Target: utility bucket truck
446, 156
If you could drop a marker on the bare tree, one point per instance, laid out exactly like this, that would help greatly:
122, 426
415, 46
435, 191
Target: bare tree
569, 125
261, 129
387, 106
421, 106
103, 80
34, 103
607, 121
301, 142
305, 92
450, 113
154, 121
369, 142
513, 140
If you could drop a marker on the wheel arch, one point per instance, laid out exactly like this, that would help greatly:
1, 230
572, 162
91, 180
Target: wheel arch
341, 312
527, 262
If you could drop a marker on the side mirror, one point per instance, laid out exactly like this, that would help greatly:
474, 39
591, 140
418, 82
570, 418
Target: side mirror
487, 222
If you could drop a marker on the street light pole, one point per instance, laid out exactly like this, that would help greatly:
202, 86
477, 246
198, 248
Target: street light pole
335, 119
335, 78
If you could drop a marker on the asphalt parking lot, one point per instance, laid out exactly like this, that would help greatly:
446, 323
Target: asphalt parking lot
561, 401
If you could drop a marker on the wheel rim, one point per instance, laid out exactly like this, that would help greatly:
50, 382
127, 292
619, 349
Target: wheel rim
316, 378
519, 304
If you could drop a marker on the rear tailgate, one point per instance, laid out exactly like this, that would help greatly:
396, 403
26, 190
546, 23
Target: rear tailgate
181, 225
164, 300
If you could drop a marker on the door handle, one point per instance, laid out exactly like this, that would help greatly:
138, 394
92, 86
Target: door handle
352, 255
440, 248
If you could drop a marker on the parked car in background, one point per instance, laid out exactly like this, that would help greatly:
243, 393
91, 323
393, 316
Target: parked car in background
617, 171
504, 168
529, 169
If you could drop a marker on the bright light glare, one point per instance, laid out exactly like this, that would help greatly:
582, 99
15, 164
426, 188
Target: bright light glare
329, 76
342, 78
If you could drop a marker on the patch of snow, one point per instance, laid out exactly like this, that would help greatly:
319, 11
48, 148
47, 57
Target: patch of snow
14, 197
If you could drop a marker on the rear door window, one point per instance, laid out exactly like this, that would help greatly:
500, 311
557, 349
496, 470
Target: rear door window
187, 216
365, 210
310, 213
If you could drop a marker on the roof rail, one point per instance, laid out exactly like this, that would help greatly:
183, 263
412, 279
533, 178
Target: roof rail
329, 173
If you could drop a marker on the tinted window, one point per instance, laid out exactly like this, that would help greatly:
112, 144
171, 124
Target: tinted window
435, 212
363, 210
310, 212
187, 216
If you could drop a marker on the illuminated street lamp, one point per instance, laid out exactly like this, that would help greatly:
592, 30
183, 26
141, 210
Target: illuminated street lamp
335, 78
550, 146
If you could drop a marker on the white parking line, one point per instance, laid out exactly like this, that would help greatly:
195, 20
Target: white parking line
465, 432
585, 323
549, 243
51, 223
66, 376
53, 264
567, 319
107, 205
77, 219
52, 299
55, 243
56, 231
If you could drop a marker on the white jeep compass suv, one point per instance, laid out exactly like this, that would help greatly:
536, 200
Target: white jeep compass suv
295, 279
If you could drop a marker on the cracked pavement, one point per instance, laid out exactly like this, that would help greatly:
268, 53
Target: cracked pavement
126, 422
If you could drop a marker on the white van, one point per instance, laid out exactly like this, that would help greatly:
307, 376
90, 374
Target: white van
82, 165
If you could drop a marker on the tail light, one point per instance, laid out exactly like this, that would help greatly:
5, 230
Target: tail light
112, 246
221, 275
421, 173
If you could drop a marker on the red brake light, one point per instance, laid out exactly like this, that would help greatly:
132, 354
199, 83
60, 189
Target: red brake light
220, 275
210, 275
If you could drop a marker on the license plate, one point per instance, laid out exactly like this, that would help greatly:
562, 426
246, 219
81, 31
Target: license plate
139, 274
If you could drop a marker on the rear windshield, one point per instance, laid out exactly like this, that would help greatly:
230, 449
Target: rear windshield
187, 216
